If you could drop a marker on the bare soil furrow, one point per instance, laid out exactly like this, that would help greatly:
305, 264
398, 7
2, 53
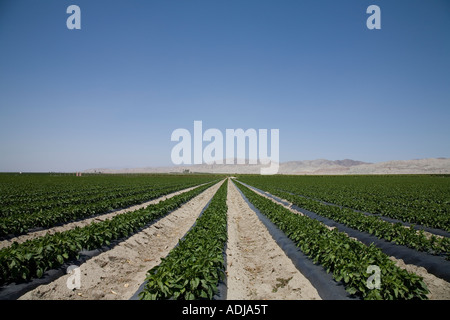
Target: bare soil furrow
87, 221
439, 288
257, 268
117, 273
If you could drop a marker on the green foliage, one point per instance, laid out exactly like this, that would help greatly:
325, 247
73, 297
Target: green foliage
346, 258
33, 257
372, 224
193, 269
45, 201
396, 233
417, 199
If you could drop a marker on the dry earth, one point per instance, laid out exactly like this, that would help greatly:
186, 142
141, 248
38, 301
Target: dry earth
257, 268
439, 288
117, 273
87, 221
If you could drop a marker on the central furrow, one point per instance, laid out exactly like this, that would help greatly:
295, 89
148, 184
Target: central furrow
257, 268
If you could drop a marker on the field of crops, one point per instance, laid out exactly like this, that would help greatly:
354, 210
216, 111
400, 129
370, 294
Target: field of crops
212, 237
418, 199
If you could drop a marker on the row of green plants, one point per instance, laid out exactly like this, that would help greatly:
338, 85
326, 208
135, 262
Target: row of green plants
417, 199
25, 194
30, 259
25, 189
393, 232
28, 200
193, 269
108, 201
28, 193
76, 198
346, 258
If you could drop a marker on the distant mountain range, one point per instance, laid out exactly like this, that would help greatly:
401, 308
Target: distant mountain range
306, 167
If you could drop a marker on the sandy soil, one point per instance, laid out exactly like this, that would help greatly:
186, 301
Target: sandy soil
117, 273
257, 268
288, 206
439, 288
87, 221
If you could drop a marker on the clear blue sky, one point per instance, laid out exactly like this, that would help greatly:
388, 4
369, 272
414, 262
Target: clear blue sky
110, 94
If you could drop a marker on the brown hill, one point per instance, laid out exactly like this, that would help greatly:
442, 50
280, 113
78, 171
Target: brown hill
319, 166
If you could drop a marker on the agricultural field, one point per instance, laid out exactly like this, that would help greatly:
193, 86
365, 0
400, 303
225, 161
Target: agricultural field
202, 237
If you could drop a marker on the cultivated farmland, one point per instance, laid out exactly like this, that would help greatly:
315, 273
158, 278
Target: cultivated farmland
149, 236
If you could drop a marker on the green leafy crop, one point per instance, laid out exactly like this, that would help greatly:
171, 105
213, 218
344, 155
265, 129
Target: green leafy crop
193, 269
346, 258
64, 199
32, 258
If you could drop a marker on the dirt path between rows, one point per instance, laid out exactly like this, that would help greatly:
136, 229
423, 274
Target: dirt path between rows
117, 273
439, 288
257, 268
87, 221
